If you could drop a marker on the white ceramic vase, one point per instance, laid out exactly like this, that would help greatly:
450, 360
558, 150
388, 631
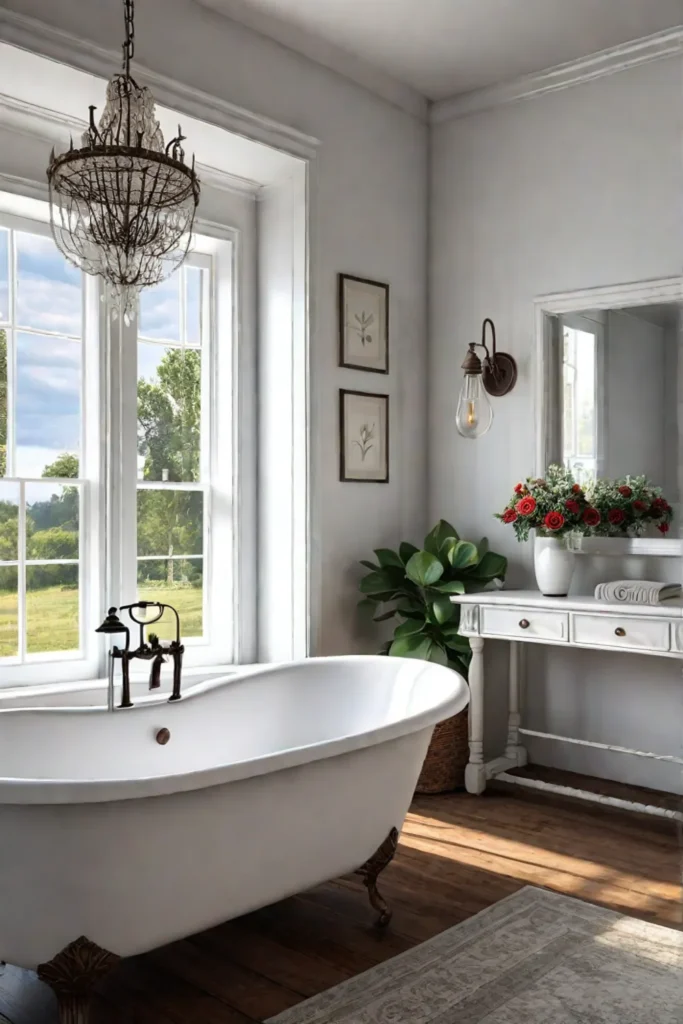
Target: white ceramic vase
554, 565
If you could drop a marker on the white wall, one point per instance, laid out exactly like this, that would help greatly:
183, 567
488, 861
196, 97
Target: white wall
569, 190
369, 196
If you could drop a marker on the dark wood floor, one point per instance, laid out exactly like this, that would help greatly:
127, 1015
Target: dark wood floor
458, 854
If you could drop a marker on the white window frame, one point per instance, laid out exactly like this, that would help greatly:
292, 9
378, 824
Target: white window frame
108, 513
63, 666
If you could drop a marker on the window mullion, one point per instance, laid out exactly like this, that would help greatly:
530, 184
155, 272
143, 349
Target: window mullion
121, 434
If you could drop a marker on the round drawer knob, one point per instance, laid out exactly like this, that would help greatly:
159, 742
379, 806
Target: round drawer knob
523, 623
619, 631
163, 736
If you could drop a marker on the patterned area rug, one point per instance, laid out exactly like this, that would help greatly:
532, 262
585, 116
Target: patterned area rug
535, 957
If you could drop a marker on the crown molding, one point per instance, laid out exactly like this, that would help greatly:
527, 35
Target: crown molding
586, 69
322, 52
38, 37
53, 128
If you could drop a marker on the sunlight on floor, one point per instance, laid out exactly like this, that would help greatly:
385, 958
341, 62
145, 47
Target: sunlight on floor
533, 864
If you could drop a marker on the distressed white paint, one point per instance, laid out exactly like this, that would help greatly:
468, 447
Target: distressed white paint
533, 199
528, 617
301, 773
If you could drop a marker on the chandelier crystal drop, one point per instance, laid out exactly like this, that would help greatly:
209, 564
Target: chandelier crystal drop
123, 205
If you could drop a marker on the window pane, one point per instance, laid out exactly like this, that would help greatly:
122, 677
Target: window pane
193, 305
52, 517
177, 582
170, 522
52, 612
160, 310
48, 413
4, 276
169, 413
9, 521
3, 402
9, 613
49, 295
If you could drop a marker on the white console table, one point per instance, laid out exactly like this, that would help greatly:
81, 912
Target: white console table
526, 616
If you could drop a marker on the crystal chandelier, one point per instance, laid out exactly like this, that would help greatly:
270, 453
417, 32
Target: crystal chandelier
123, 205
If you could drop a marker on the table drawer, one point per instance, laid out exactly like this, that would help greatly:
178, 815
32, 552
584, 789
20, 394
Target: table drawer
627, 632
527, 624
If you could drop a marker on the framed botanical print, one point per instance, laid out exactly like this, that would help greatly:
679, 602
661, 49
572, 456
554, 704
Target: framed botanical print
363, 324
364, 437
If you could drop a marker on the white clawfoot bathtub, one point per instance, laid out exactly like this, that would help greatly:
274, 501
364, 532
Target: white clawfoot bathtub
270, 783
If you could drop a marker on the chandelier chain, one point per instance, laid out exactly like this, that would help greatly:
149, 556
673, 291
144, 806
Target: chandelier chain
129, 45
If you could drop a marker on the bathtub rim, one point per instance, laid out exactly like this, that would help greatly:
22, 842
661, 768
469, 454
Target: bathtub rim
42, 791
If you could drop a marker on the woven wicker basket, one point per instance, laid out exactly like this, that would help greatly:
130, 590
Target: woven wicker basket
444, 766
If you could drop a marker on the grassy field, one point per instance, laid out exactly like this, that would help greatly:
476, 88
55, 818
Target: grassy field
52, 617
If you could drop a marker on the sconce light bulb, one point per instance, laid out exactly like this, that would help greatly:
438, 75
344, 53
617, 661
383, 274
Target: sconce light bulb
474, 415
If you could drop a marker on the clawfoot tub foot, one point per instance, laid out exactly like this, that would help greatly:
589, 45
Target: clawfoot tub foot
73, 974
370, 872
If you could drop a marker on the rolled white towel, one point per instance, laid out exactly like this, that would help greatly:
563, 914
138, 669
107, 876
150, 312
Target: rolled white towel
637, 592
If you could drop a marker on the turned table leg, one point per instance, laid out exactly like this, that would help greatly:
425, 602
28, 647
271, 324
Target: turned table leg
475, 772
73, 974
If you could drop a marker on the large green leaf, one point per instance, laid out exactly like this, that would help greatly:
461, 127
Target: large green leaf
491, 567
424, 569
457, 642
463, 554
442, 532
406, 551
416, 646
370, 565
409, 628
367, 605
377, 583
450, 587
385, 615
386, 557
438, 654
483, 546
443, 610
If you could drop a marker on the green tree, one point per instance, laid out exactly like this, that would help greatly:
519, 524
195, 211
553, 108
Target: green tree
169, 424
64, 466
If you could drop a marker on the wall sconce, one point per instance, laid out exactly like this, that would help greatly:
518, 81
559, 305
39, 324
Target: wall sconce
496, 374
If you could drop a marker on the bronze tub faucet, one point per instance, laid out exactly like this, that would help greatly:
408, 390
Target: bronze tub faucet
147, 650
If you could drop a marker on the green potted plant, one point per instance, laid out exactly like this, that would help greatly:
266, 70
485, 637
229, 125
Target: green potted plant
415, 585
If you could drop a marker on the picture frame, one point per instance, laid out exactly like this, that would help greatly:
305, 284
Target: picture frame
363, 437
363, 324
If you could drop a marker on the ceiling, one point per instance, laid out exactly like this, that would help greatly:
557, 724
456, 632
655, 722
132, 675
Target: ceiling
441, 48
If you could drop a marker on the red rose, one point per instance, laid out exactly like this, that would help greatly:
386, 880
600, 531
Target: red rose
663, 527
615, 516
519, 488
591, 517
554, 521
659, 503
656, 511
526, 506
625, 491
639, 506
572, 506
576, 488
509, 515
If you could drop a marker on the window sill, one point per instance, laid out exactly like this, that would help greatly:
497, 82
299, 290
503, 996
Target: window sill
94, 691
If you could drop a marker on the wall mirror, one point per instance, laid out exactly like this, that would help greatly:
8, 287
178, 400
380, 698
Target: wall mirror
611, 386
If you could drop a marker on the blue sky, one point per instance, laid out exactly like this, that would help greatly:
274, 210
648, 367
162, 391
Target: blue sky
49, 297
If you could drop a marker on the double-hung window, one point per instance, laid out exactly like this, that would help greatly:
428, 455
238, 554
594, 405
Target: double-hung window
116, 467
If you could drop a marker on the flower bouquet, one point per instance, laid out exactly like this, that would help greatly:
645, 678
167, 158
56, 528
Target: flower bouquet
556, 507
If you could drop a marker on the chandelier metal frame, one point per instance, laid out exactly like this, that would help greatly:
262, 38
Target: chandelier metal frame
122, 206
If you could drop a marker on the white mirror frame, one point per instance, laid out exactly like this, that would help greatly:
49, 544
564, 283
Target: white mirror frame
636, 293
